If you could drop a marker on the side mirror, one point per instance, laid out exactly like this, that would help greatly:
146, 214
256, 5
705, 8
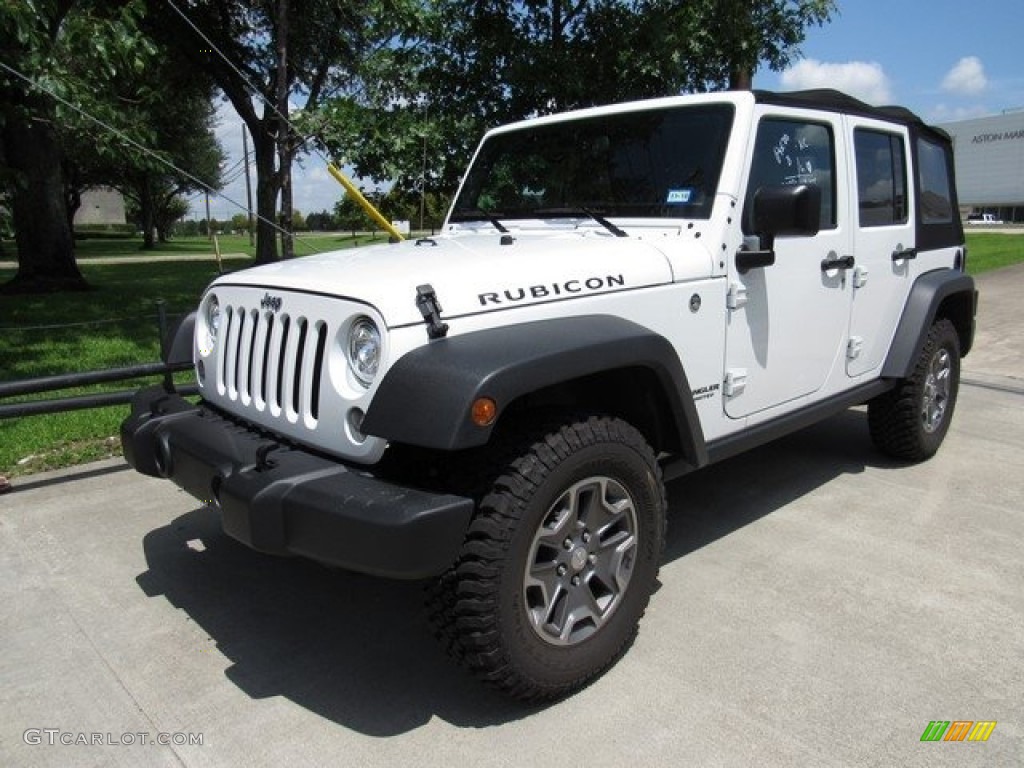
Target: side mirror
780, 211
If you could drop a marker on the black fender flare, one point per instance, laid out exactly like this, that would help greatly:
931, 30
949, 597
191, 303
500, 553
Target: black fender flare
425, 397
929, 292
177, 346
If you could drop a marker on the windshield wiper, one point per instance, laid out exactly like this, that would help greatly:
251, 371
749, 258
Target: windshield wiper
617, 231
474, 214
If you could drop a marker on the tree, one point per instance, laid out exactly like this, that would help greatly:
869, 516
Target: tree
240, 222
308, 49
184, 156
69, 47
348, 214
321, 221
166, 215
495, 61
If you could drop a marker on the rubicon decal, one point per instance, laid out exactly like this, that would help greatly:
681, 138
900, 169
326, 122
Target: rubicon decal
552, 290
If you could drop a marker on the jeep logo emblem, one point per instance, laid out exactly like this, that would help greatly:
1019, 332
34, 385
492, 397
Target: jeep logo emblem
273, 303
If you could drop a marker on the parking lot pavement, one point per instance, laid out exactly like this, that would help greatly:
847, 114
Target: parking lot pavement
819, 605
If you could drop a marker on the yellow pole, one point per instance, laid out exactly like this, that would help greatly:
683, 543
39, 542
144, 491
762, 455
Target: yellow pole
367, 206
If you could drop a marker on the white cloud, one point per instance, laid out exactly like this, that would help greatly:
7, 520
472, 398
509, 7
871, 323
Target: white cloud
967, 77
866, 80
944, 113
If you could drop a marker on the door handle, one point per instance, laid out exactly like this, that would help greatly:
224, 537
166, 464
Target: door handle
904, 253
837, 262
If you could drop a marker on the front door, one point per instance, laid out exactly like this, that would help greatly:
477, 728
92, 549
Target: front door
787, 332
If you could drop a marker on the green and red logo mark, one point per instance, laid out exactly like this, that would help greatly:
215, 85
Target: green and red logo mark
958, 730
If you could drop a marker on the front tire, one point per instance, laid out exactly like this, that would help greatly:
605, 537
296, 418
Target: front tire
559, 561
911, 421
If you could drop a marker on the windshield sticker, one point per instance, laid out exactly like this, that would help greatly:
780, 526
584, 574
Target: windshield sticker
679, 196
802, 165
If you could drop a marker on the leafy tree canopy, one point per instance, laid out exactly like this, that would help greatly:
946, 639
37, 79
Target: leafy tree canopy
476, 65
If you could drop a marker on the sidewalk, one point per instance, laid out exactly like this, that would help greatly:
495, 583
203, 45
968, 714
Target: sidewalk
151, 258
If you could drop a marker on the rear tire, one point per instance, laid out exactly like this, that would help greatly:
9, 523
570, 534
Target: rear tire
559, 561
911, 421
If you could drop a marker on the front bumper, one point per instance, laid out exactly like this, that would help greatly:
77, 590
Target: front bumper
287, 501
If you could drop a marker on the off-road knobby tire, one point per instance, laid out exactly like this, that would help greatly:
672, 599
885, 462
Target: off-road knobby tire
478, 608
896, 419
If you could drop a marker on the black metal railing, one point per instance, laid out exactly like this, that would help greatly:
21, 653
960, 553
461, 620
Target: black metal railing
39, 385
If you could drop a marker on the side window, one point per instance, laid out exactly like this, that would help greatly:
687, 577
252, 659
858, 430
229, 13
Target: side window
936, 190
789, 152
881, 178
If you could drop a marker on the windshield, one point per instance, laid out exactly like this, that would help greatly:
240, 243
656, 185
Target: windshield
661, 163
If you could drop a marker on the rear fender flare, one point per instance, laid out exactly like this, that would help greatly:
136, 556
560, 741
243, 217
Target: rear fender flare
927, 296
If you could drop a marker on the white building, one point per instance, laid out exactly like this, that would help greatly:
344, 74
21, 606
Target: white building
990, 164
100, 205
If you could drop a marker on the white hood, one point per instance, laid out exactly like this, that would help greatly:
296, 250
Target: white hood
470, 272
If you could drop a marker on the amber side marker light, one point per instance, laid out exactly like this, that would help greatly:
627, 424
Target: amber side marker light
484, 411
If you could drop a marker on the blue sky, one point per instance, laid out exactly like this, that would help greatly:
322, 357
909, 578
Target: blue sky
945, 59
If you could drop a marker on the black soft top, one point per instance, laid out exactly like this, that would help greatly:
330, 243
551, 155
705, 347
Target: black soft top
832, 100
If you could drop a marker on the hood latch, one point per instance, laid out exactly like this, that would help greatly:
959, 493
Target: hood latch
430, 308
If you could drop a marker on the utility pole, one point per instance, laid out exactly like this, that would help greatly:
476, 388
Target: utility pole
209, 227
248, 187
423, 173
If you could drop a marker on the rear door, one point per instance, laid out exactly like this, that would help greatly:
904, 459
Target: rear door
883, 239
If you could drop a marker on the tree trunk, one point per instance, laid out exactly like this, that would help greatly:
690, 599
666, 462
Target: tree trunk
740, 78
146, 217
284, 139
266, 193
46, 257
287, 210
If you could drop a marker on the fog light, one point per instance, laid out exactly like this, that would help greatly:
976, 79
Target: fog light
484, 411
355, 423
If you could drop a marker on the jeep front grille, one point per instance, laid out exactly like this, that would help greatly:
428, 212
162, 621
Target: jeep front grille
273, 362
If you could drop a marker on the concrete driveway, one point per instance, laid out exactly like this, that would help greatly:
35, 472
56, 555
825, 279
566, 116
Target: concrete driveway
819, 606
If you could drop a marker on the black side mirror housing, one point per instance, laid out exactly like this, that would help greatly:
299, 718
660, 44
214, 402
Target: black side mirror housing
781, 211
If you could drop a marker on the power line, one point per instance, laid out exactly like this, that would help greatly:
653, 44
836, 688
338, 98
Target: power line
349, 187
145, 150
259, 94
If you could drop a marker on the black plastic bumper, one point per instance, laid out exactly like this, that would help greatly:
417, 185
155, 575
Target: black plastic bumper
286, 501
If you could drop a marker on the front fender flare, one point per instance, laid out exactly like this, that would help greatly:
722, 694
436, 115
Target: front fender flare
426, 396
177, 346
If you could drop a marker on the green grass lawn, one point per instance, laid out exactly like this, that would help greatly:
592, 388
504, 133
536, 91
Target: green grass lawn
111, 326
992, 250
115, 325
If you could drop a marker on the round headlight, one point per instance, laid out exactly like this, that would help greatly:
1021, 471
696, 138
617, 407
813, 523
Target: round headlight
213, 317
208, 325
363, 350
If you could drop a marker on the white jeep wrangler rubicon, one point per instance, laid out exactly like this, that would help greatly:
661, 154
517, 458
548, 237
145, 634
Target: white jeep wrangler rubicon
619, 296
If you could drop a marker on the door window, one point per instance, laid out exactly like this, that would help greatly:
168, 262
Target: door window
936, 190
789, 152
881, 178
